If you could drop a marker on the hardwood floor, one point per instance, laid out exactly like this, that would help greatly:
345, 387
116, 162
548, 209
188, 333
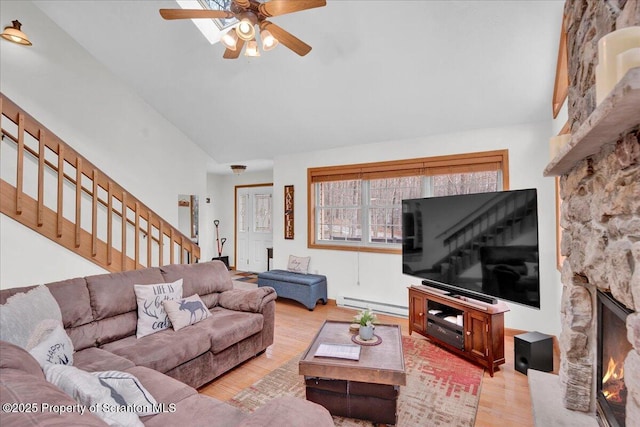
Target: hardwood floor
504, 399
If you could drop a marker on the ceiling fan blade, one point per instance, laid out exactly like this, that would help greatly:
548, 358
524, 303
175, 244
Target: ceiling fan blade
286, 38
233, 54
281, 7
194, 14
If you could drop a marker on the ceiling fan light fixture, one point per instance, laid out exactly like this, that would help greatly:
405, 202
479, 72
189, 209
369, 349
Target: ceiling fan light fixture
268, 41
246, 28
252, 48
14, 34
230, 40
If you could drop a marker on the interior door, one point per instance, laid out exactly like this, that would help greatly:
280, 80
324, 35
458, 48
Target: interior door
254, 227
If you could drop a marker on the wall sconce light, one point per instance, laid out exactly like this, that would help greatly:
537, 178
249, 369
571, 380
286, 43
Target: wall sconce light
14, 34
238, 169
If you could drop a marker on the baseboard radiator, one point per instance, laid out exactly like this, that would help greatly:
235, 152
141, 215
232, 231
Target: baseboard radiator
378, 307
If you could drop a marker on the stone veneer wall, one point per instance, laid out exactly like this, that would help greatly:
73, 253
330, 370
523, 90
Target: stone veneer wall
600, 215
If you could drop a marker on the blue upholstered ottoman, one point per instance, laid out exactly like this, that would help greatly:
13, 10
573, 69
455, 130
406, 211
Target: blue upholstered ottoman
304, 288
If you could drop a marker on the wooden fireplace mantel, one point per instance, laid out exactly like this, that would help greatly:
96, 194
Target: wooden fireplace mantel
618, 112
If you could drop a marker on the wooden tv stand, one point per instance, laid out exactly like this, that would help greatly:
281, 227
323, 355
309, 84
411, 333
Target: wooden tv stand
478, 334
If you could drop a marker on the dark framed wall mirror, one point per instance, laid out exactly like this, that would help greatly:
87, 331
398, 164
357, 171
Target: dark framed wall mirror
188, 216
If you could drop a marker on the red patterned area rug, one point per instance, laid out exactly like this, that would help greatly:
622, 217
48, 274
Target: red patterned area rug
442, 389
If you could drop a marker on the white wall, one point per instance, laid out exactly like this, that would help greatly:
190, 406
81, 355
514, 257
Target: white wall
221, 190
378, 277
82, 102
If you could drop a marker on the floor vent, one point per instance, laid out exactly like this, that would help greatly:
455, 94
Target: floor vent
394, 310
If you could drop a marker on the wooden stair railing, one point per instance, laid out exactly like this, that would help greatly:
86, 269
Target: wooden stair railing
47, 186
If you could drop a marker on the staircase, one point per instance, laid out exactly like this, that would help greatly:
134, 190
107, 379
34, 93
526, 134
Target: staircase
497, 224
50, 188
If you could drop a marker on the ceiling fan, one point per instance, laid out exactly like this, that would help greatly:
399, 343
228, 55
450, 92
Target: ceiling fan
250, 13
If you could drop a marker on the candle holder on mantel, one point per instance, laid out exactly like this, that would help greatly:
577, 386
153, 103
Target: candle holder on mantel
611, 66
556, 143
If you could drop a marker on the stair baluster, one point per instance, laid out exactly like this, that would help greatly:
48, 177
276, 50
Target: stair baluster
33, 143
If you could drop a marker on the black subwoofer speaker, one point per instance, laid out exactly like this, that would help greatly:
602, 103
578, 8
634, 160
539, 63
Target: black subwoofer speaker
533, 350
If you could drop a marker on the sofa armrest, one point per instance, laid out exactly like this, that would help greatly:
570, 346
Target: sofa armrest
253, 300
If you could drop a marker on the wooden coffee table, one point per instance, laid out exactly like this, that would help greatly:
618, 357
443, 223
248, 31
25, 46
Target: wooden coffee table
367, 388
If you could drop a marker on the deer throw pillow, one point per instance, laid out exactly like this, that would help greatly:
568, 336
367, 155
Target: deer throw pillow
152, 317
186, 311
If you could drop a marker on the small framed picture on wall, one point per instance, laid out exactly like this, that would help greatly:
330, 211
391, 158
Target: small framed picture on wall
288, 212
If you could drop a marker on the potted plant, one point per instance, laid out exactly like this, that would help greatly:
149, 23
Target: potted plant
366, 318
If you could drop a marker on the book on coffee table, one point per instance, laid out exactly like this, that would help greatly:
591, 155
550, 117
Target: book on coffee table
338, 351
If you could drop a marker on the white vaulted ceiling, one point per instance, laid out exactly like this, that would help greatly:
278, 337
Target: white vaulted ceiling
379, 71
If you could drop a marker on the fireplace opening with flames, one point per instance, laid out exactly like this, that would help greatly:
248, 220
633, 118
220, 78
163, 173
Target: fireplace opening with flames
612, 351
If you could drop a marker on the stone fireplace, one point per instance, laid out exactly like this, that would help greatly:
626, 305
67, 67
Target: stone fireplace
601, 232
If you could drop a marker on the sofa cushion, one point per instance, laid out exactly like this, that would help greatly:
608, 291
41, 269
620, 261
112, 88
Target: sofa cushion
152, 316
164, 350
96, 359
112, 294
84, 336
17, 327
73, 298
87, 390
202, 278
228, 327
116, 327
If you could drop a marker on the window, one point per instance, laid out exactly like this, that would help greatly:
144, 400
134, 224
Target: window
339, 210
262, 213
385, 206
221, 23
359, 207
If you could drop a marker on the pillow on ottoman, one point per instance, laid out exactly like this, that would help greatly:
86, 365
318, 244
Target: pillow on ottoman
152, 317
298, 264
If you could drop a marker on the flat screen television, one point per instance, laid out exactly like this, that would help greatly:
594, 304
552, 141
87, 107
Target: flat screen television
482, 245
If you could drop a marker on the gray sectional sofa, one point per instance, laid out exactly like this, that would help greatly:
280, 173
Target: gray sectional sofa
99, 314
